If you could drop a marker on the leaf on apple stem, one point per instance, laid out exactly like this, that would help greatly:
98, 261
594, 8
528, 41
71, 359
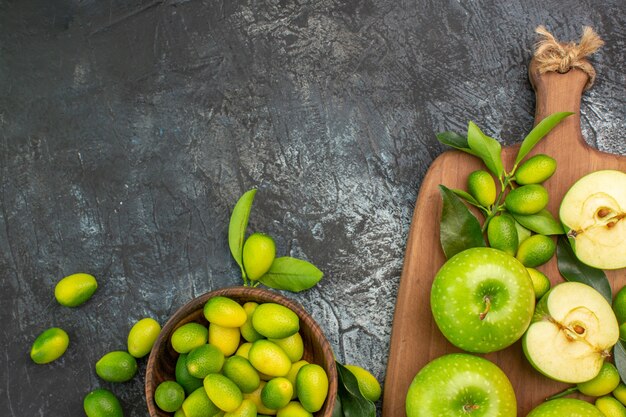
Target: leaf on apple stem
459, 228
353, 403
538, 132
456, 141
543, 223
238, 225
291, 274
619, 357
574, 270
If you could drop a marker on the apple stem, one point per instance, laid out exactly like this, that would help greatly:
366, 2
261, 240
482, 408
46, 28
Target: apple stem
470, 407
487, 308
563, 393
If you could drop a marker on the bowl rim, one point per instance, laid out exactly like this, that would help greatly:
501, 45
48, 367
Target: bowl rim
264, 295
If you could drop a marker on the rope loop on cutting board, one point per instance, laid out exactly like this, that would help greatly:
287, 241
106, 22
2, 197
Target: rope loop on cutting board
552, 55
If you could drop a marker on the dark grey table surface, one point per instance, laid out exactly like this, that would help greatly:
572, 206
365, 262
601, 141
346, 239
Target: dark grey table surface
130, 128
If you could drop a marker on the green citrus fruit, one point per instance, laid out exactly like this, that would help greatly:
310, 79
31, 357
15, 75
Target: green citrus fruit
522, 233
224, 312
368, 384
312, 387
536, 250
225, 338
223, 392
535, 170
541, 283
268, 358
142, 336
247, 330
246, 409
204, 360
75, 289
102, 403
293, 409
293, 373
619, 305
239, 370
527, 199
482, 187
277, 393
620, 393
189, 336
602, 384
259, 252
502, 234
169, 396
116, 366
179, 413
275, 321
198, 404
255, 397
183, 377
50, 345
292, 345
610, 407
244, 350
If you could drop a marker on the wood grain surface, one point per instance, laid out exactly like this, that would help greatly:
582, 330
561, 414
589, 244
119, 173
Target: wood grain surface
415, 338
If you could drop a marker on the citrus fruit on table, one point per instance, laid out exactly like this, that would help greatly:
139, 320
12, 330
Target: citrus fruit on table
277, 393
75, 289
223, 392
619, 305
535, 170
102, 403
189, 336
259, 252
565, 407
275, 321
169, 396
527, 199
116, 366
224, 338
198, 404
224, 312
142, 336
292, 345
312, 387
602, 384
247, 330
246, 409
239, 370
293, 409
268, 358
49, 345
183, 377
502, 234
482, 187
368, 384
541, 283
204, 360
536, 250
610, 406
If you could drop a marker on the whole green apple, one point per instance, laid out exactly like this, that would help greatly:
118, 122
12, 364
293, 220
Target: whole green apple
482, 300
565, 407
461, 385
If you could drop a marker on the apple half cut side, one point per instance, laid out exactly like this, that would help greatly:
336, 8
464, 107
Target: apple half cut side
572, 332
460, 384
593, 213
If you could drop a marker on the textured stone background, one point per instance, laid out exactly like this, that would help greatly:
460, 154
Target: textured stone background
129, 129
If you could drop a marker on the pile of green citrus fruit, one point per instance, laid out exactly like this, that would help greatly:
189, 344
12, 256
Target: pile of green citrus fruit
248, 361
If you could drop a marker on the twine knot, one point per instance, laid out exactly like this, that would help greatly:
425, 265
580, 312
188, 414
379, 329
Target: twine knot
552, 55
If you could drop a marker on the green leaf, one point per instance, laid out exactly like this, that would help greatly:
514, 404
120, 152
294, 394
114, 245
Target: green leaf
455, 140
291, 274
466, 196
543, 223
538, 132
352, 401
619, 357
238, 225
459, 229
574, 270
486, 148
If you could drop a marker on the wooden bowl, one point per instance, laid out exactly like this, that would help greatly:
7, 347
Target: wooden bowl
162, 360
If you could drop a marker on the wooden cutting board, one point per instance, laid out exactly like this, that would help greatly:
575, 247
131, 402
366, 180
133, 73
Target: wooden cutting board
415, 338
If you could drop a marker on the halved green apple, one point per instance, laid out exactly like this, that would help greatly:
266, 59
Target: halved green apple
593, 213
571, 333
